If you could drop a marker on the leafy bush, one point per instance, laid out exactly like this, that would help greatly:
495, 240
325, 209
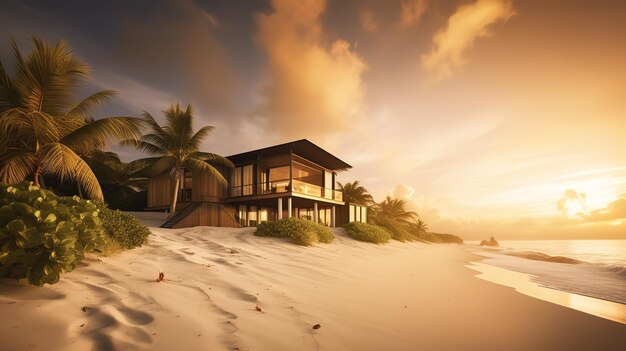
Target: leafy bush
124, 228
300, 231
397, 230
43, 235
367, 232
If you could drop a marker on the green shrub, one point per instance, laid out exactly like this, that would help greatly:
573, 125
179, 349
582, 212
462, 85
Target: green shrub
124, 228
367, 232
397, 230
43, 235
300, 231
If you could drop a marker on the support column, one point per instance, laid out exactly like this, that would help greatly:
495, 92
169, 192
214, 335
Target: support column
289, 207
315, 213
280, 208
332, 216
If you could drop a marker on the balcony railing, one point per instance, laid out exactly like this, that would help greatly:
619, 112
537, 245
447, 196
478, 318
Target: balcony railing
282, 186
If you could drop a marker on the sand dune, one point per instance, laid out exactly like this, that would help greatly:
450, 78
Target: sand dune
365, 297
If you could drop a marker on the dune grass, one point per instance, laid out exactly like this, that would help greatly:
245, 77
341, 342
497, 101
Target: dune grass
367, 232
300, 231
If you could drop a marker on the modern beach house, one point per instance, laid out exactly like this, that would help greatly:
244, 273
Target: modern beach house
295, 179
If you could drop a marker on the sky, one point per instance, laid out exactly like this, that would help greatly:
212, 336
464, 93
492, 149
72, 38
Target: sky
501, 118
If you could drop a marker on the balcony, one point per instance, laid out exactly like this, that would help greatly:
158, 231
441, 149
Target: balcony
282, 186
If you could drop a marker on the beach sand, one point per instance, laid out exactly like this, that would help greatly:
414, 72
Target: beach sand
399, 296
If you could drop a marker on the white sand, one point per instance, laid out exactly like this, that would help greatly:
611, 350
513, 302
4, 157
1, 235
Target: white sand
398, 296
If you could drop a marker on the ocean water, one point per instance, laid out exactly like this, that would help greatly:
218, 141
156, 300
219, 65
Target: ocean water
590, 268
603, 252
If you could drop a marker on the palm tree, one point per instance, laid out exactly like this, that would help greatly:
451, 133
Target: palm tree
420, 228
42, 130
175, 149
122, 183
355, 193
394, 209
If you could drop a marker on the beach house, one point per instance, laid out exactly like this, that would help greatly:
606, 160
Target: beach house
295, 179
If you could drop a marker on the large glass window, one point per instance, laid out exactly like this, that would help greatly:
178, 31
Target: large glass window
328, 185
278, 179
351, 217
248, 179
252, 216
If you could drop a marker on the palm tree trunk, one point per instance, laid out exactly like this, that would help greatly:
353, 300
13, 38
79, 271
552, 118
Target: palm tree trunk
38, 172
80, 190
175, 196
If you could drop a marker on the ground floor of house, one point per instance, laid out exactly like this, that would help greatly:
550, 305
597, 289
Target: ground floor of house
251, 213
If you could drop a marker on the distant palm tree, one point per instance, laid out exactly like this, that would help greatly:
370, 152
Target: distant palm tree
42, 130
420, 227
122, 183
395, 209
355, 193
175, 149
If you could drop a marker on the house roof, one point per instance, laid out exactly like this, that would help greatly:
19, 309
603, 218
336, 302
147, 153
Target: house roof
303, 148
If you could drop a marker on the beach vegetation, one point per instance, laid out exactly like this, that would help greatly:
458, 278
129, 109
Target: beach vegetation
300, 231
43, 235
367, 232
124, 229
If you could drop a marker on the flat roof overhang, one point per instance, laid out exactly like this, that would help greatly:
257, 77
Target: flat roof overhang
303, 148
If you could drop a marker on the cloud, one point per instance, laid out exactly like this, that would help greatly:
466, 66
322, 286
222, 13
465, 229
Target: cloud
572, 204
368, 21
411, 12
467, 24
313, 88
424, 208
616, 210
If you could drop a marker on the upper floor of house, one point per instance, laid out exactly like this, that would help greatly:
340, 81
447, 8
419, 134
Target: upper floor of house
299, 168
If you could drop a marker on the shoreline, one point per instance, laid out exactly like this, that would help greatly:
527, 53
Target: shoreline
364, 296
524, 284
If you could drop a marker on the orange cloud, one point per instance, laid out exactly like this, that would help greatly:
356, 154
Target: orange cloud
467, 24
424, 208
616, 210
368, 21
411, 12
313, 87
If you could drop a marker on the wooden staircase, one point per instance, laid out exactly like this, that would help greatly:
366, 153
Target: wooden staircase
180, 215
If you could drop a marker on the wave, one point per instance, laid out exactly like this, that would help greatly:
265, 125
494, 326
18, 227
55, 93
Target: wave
616, 269
540, 256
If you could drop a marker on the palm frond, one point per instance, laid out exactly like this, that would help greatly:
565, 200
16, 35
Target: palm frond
200, 135
16, 165
213, 159
92, 135
60, 160
83, 110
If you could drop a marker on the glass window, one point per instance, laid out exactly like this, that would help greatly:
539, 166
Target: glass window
364, 214
351, 218
263, 216
279, 179
242, 215
252, 216
248, 179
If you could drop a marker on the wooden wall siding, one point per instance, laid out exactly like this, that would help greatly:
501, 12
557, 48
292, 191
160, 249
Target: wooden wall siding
210, 214
206, 187
160, 191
